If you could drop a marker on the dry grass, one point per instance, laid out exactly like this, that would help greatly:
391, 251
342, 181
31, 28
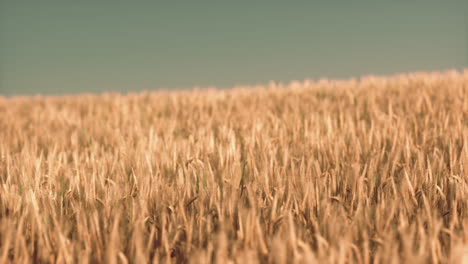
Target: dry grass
331, 172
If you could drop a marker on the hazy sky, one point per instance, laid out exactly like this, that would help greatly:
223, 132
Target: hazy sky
56, 47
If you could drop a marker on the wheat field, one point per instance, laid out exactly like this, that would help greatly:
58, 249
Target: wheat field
368, 171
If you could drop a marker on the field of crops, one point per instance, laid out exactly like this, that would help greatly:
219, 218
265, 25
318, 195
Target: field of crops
368, 171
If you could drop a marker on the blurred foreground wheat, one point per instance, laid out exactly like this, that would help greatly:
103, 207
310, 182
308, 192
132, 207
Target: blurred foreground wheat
326, 172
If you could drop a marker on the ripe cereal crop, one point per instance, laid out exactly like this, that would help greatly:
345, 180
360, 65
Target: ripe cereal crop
373, 170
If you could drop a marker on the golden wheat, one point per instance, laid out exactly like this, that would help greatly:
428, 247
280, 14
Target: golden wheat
369, 171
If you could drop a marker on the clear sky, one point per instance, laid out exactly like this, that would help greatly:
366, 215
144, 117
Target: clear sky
58, 47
